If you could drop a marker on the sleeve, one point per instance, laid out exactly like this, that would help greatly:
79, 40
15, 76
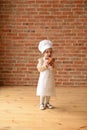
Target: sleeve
40, 66
55, 68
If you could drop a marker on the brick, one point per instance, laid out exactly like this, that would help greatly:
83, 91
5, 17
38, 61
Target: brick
24, 23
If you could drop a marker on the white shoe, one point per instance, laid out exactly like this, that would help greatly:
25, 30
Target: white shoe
49, 106
42, 107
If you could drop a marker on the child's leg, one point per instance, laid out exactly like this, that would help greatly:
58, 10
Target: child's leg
42, 98
47, 102
47, 99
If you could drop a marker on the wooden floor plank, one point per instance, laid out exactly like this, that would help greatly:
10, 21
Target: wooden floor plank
19, 109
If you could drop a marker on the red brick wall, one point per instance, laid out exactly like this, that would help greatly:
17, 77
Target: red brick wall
23, 23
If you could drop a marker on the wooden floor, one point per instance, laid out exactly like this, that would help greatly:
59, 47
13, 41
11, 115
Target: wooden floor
19, 109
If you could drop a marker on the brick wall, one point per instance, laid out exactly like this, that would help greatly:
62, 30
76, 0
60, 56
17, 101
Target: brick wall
23, 23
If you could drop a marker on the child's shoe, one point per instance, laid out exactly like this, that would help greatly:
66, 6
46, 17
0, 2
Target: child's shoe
42, 107
48, 105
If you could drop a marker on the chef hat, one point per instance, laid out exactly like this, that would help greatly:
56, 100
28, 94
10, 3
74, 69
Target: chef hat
44, 44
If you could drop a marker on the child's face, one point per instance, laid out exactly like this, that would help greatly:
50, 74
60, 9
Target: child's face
48, 53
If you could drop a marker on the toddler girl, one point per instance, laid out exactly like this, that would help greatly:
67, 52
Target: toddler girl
46, 82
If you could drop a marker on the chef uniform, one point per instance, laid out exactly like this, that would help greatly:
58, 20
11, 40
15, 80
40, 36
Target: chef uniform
46, 82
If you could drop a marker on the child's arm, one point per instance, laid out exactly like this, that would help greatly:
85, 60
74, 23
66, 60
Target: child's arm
55, 67
52, 63
41, 66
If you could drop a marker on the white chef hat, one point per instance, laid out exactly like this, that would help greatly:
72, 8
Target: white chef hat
44, 44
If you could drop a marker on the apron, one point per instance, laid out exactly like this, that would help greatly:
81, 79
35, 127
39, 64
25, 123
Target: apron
46, 83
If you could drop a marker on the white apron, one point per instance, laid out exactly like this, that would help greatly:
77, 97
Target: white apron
46, 83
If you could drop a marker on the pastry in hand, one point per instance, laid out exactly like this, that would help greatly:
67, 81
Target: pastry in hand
51, 61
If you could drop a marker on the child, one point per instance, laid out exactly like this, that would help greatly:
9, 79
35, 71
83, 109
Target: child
46, 83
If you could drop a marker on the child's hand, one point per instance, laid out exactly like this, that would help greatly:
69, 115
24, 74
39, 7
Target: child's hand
47, 63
